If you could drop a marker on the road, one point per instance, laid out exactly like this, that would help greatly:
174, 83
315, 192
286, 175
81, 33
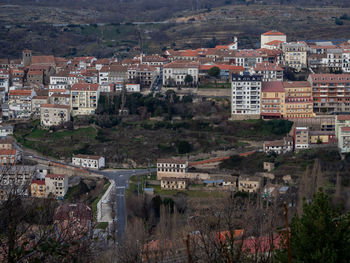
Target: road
121, 179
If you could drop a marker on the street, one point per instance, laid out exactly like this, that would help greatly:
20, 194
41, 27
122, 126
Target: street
121, 179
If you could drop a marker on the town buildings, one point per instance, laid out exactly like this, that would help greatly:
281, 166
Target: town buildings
249, 184
54, 114
272, 36
301, 138
88, 161
84, 98
273, 100
20, 104
171, 168
245, 96
279, 146
174, 183
56, 185
331, 93
175, 73
295, 55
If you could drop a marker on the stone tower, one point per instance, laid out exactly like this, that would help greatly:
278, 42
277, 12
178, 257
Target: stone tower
26, 57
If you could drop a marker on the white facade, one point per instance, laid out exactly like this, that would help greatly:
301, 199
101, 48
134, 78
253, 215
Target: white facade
53, 114
271, 36
89, 161
84, 98
245, 96
6, 130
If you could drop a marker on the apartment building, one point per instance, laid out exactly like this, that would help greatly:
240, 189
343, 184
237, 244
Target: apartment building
272, 100
171, 168
174, 183
301, 138
37, 101
113, 74
16, 180
35, 77
175, 72
249, 184
4, 80
6, 143
298, 99
295, 55
6, 130
84, 98
38, 188
245, 96
335, 59
270, 36
269, 71
9, 156
20, 104
279, 146
17, 77
247, 58
342, 132
331, 92
142, 74
346, 61
322, 137
56, 184
89, 161
54, 114
60, 99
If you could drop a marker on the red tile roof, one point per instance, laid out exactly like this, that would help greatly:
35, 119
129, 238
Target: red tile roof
85, 87
272, 86
182, 64
296, 84
35, 72
343, 117
40, 182
222, 67
273, 33
345, 129
274, 43
330, 78
7, 152
267, 67
43, 60
20, 92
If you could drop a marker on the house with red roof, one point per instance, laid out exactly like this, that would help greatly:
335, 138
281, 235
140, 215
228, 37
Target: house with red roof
175, 72
270, 36
269, 71
84, 98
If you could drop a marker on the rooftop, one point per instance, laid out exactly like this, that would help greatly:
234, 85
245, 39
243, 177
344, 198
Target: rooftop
85, 87
273, 33
57, 106
272, 86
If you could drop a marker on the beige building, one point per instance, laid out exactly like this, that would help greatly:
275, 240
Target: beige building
53, 114
295, 55
56, 184
301, 138
37, 101
175, 72
6, 143
84, 98
271, 36
171, 168
249, 184
38, 188
174, 183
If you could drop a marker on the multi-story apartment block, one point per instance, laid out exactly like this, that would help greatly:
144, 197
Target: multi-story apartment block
113, 74
35, 77
4, 80
174, 183
269, 71
301, 138
6, 130
272, 100
342, 132
299, 102
247, 58
56, 184
20, 104
175, 72
346, 61
61, 99
38, 188
331, 92
245, 96
54, 114
6, 143
270, 36
171, 168
17, 77
249, 184
279, 146
142, 74
334, 59
295, 55
88, 161
16, 180
84, 98
9, 157
37, 101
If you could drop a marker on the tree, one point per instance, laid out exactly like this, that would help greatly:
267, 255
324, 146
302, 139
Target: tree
214, 72
184, 147
188, 79
321, 234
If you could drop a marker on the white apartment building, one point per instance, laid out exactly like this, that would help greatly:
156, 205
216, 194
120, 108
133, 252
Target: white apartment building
270, 36
56, 184
37, 101
171, 168
4, 80
245, 96
6, 130
247, 58
175, 72
268, 71
84, 98
88, 161
346, 61
334, 58
54, 114
301, 138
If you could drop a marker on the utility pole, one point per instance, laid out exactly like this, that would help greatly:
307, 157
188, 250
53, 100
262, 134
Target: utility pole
287, 231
